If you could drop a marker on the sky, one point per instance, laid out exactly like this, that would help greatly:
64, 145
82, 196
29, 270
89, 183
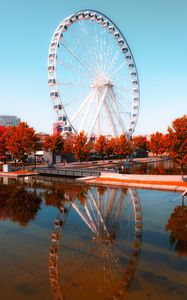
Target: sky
155, 31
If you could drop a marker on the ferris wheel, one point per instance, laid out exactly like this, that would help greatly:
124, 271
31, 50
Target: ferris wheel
92, 76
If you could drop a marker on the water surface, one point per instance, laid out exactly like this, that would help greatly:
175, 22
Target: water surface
69, 241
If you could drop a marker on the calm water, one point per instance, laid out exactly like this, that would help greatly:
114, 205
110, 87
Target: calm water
67, 241
165, 167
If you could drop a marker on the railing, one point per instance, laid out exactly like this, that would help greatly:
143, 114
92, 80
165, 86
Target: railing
68, 172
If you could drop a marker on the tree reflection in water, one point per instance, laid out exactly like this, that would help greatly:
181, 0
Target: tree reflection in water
102, 247
58, 194
18, 204
177, 224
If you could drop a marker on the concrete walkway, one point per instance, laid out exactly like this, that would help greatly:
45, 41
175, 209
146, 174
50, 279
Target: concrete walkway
17, 174
176, 178
156, 182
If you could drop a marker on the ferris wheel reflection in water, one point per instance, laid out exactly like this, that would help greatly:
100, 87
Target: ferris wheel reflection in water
95, 245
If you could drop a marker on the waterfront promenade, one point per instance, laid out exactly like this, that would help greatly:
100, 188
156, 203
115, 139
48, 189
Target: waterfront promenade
92, 174
160, 182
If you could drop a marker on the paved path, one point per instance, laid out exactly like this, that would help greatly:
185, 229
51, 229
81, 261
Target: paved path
160, 182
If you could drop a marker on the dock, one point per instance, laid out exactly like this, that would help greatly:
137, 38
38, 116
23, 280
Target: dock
67, 172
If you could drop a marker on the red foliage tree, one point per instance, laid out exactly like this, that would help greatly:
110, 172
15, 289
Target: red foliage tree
177, 141
81, 146
3, 143
177, 224
123, 146
22, 141
54, 144
100, 145
157, 143
68, 144
140, 142
110, 149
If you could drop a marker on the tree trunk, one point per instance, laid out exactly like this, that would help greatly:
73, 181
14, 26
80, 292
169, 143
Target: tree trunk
182, 172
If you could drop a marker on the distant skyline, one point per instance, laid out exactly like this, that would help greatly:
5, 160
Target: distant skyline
155, 31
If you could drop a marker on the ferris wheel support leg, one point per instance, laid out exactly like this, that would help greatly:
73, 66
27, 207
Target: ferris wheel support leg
81, 107
98, 111
98, 119
99, 213
117, 110
83, 217
110, 119
90, 217
110, 203
91, 98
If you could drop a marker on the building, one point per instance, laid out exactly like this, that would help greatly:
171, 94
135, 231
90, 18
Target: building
9, 120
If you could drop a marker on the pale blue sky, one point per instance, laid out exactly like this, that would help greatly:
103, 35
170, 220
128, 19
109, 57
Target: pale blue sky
155, 30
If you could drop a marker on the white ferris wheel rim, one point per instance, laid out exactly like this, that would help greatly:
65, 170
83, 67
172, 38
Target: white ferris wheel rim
54, 86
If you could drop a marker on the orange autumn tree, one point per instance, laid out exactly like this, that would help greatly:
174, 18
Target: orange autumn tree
23, 205
177, 141
123, 146
100, 145
140, 142
4, 131
110, 149
68, 144
22, 141
177, 225
81, 146
54, 144
157, 143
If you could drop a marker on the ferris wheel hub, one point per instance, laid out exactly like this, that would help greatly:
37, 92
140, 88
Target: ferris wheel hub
101, 81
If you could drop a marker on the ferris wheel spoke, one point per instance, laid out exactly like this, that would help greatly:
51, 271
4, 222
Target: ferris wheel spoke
122, 97
94, 42
72, 52
108, 52
86, 38
112, 63
103, 48
85, 48
71, 68
101, 51
118, 68
125, 90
